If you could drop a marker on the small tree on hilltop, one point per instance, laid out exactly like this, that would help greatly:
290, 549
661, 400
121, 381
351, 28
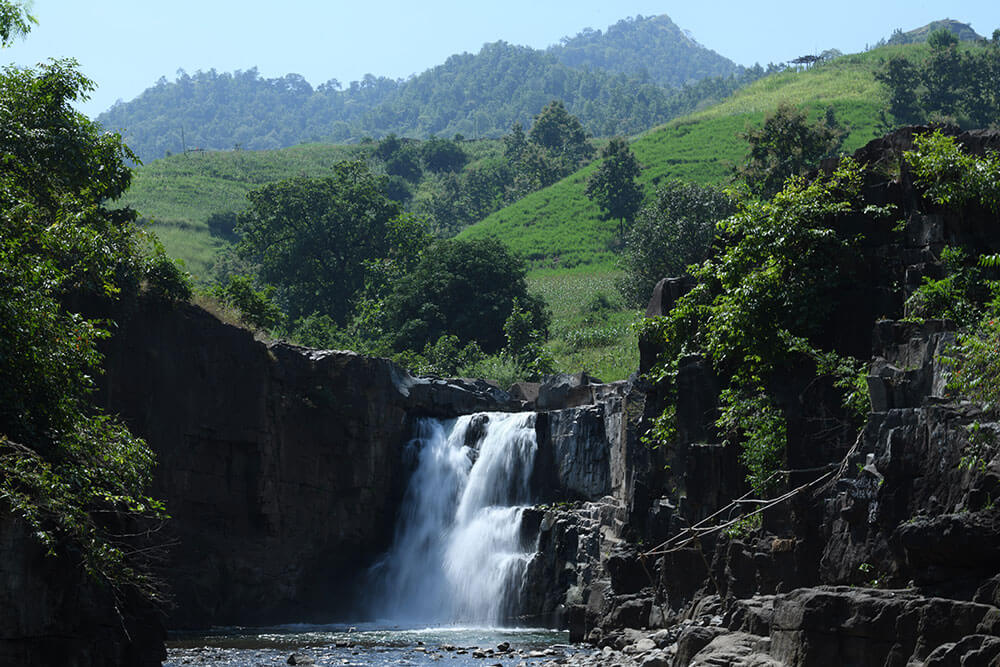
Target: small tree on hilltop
613, 186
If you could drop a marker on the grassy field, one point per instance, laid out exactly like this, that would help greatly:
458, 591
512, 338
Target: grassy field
591, 330
560, 227
177, 194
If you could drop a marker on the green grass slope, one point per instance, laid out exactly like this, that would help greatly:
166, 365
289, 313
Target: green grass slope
560, 227
177, 194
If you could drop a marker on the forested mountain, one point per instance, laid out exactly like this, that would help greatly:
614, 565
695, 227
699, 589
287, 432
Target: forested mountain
652, 46
600, 77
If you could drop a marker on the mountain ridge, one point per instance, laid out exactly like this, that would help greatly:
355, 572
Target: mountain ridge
510, 84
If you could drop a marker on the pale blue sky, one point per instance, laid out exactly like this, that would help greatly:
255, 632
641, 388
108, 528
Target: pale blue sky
126, 45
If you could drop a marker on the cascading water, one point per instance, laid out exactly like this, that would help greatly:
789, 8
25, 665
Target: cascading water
458, 555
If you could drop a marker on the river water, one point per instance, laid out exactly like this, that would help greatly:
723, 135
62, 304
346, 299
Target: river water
361, 645
451, 580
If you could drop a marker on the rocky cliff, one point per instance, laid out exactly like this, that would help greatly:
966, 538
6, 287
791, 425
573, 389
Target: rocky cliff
884, 546
51, 613
281, 467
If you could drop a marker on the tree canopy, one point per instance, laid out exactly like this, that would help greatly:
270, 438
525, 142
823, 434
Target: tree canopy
476, 95
672, 231
951, 85
463, 288
787, 144
314, 238
613, 186
65, 467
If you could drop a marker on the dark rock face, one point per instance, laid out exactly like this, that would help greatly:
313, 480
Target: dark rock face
51, 614
282, 467
909, 505
865, 627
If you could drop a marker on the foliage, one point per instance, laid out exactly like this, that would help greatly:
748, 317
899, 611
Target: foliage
613, 186
671, 232
652, 47
953, 84
256, 307
557, 131
15, 21
787, 145
772, 282
76, 476
525, 331
975, 360
443, 155
313, 238
749, 417
955, 179
465, 288
221, 111
447, 356
951, 177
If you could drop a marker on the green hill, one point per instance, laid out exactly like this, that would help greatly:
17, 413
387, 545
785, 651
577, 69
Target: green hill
963, 31
560, 227
176, 195
653, 47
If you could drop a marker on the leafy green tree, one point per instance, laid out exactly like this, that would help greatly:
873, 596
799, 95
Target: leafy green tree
561, 133
443, 155
73, 474
255, 306
942, 38
672, 231
950, 85
223, 225
463, 288
515, 143
526, 331
613, 186
786, 145
400, 158
312, 238
15, 22
769, 290
901, 77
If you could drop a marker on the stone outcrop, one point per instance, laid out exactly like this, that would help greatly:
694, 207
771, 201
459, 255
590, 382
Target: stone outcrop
890, 551
51, 613
282, 467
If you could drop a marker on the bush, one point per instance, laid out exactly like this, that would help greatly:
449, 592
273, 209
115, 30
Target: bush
670, 233
465, 288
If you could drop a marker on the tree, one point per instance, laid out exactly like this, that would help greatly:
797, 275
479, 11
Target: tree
464, 288
312, 238
613, 186
75, 476
556, 130
949, 85
786, 145
15, 22
671, 232
443, 155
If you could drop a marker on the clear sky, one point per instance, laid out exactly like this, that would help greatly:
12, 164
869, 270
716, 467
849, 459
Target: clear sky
126, 45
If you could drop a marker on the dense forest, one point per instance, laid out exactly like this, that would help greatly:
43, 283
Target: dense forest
597, 76
652, 47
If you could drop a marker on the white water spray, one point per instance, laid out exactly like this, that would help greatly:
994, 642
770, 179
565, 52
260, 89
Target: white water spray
458, 556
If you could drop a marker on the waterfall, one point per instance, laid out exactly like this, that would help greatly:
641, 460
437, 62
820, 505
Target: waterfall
457, 555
